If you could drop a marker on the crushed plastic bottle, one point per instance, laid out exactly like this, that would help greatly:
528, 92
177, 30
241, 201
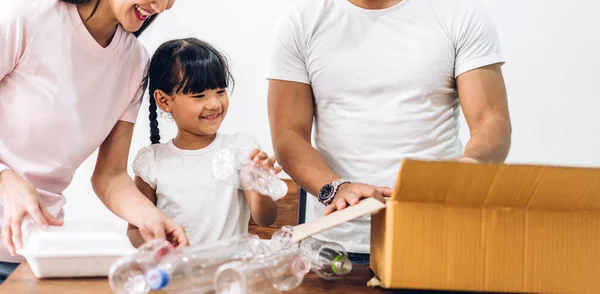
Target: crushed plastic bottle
282, 271
328, 260
191, 270
234, 167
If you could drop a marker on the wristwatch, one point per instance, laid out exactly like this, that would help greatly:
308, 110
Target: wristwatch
328, 191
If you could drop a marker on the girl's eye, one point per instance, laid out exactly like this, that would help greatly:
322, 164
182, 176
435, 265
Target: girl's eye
221, 92
200, 96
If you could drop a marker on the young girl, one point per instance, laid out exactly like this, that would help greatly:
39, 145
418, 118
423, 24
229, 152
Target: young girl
188, 79
70, 83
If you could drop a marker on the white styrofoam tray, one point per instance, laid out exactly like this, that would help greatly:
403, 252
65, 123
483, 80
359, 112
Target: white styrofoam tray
76, 249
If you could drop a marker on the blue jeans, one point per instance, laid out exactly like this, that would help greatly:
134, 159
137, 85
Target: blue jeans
359, 258
6, 268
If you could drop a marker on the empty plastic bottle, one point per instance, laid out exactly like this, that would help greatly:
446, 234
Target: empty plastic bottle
191, 270
328, 260
282, 271
157, 248
128, 274
234, 167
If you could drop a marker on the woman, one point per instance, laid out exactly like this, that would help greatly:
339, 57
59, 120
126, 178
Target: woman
71, 75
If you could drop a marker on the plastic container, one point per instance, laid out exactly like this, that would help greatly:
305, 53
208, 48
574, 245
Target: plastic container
76, 249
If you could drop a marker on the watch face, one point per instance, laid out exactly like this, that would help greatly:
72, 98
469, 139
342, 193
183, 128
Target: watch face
325, 192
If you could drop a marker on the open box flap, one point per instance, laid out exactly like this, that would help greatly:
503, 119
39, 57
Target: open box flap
501, 185
478, 185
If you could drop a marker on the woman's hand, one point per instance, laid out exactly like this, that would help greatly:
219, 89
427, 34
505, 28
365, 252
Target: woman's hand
20, 199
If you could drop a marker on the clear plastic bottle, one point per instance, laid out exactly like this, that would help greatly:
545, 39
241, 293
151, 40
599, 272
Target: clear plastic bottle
192, 269
157, 248
128, 274
181, 272
282, 271
234, 167
328, 260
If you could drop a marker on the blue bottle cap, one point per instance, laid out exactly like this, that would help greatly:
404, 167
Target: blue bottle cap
157, 279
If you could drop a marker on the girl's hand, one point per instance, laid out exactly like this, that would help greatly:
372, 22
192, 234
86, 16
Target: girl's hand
20, 199
157, 225
259, 157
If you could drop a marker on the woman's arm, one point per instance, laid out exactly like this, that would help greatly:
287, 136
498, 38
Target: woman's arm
133, 232
118, 192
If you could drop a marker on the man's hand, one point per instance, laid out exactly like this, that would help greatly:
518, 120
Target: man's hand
352, 193
468, 160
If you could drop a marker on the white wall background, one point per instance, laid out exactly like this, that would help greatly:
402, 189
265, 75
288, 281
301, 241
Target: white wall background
552, 49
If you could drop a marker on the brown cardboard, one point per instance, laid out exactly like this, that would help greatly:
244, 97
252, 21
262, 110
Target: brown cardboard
489, 227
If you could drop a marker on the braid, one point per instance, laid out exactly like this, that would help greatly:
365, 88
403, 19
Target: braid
154, 132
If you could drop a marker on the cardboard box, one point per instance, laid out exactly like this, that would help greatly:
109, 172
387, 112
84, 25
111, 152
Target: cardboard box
484, 227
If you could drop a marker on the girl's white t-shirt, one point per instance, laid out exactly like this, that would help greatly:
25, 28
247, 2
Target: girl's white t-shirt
187, 191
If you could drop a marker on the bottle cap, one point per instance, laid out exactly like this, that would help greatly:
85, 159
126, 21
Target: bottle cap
157, 279
341, 265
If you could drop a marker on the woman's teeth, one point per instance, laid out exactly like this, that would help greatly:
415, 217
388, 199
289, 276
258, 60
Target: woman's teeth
143, 12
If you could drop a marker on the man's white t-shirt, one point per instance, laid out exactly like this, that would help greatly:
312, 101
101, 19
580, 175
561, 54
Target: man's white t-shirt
383, 82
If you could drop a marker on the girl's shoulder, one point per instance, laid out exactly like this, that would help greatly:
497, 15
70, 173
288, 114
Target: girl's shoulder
157, 149
145, 158
150, 152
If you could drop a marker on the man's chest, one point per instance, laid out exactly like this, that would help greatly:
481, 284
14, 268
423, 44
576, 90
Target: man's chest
359, 61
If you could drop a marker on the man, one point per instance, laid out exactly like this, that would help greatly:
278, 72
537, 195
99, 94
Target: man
382, 81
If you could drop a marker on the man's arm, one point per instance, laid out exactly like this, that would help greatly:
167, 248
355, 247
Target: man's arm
291, 117
482, 95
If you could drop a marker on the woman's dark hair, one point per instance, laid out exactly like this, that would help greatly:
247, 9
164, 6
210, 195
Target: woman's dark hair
185, 66
145, 25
